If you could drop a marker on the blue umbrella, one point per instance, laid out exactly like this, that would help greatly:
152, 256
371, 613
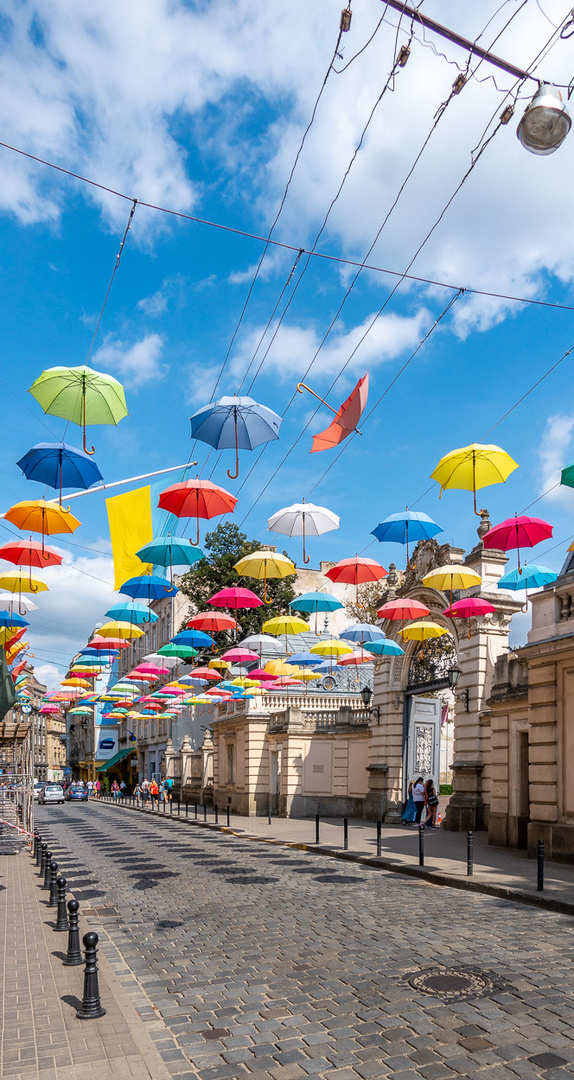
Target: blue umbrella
99, 653
238, 422
315, 601
60, 466
132, 613
384, 648
169, 551
9, 619
148, 587
307, 658
529, 577
363, 632
405, 528
196, 638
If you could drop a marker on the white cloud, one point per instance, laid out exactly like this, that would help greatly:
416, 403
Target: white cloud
157, 304
554, 453
137, 364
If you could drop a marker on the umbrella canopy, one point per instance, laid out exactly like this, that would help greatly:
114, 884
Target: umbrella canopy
198, 499
235, 422
81, 395
219, 664
473, 467
285, 624
83, 683
205, 673
212, 621
530, 577
103, 643
39, 516
450, 577
236, 598
303, 658
356, 571
29, 553
405, 528
9, 618
59, 466
153, 670
148, 587
517, 532
279, 667
239, 655
121, 630
313, 602
469, 607
346, 418
26, 605
422, 631
169, 551
384, 648
260, 642
359, 656
331, 648
265, 564
138, 614
194, 638
402, 609
303, 519
261, 675
181, 652
17, 581
567, 476
362, 632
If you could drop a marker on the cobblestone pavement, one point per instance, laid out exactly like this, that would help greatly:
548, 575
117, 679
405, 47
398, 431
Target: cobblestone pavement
266, 962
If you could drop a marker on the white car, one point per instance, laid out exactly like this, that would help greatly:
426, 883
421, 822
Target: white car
38, 789
51, 793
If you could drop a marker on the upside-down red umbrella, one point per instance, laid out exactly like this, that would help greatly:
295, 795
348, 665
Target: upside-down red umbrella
346, 417
197, 498
517, 532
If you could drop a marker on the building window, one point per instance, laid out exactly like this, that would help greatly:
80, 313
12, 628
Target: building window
230, 763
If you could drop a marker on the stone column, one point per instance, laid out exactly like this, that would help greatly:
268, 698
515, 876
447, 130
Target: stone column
185, 754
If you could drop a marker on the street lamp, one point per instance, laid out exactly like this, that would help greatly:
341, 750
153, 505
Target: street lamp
453, 677
367, 694
545, 123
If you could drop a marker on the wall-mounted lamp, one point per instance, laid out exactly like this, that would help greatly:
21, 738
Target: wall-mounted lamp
367, 695
453, 677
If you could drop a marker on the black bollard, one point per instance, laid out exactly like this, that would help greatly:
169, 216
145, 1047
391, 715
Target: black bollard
34, 843
195, 808
91, 1007
345, 834
205, 811
53, 898
74, 953
228, 818
170, 806
43, 850
39, 851
186, 808
216, 812
421, 845
469, 854
47, 862
178, 808
164, 806
62, 919
268, 813
379, 838
317, 823
540, 867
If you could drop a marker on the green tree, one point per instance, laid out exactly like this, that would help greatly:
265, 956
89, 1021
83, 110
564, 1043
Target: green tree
369, 598
225, 546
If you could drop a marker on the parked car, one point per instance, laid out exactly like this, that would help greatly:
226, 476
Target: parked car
38, 788
52, 793
76, 792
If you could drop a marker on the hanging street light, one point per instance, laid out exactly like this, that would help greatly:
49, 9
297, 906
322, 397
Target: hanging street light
545, 123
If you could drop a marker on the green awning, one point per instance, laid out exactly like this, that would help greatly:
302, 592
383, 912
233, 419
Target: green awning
114, 760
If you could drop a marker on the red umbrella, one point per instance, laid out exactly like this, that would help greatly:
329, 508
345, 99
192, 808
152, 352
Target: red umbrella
197, 498
469, 607
517, 532
211, 621
204, 673
261, 675
346, 417
403, 609
29, 553
356, 571
107, 643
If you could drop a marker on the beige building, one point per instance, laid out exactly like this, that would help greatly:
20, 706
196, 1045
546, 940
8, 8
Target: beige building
47, 732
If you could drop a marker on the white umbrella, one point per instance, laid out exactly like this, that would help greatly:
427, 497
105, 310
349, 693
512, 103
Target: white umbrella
260, 642
7, 598
303, 519
161, 661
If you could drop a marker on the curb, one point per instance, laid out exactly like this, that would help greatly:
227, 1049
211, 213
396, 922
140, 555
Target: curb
432, 877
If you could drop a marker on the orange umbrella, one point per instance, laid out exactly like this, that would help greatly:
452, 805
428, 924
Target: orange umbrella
39, 516
346, 417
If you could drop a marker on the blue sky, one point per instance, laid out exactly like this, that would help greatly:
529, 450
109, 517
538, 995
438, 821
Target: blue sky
201, 108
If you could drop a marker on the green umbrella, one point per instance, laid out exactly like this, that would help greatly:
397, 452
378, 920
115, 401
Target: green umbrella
567, 477
183, 652
81, 395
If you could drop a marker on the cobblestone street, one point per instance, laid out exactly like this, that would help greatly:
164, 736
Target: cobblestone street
268, 962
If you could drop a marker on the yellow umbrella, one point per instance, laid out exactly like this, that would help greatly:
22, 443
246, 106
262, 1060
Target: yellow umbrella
331, 648
472, 467
221, 664
265, 564
446, 578
17, 648
21, 582
76, 682
422, 631
307, 674
279, 667
285, 624
120, 630
244, 681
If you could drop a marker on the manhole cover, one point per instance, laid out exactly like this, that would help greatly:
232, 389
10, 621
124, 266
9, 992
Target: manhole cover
450, 984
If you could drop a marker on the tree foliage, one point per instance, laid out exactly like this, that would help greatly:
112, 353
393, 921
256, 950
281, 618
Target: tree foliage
370, 596
225, 546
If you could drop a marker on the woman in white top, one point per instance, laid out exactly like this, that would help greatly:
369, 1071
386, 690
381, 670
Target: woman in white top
418, 798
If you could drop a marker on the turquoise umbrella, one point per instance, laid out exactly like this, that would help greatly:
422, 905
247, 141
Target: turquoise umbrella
169, 551
133, 612
384, 648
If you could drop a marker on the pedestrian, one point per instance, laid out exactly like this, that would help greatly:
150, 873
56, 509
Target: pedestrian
144, 788
90, 788
123, 789
169, 783
137, 792
162, 791
419, 798
115, 790
154, 792
431, 803
410, 810
98, 788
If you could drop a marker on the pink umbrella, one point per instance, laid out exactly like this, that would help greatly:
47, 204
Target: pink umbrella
403, 609
240, 656
517, 532
236, 598
261, 675
151, 669
358, 657
468, 608
49, 709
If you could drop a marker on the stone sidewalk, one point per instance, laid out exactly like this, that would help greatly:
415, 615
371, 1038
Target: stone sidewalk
503, 872
40, 1035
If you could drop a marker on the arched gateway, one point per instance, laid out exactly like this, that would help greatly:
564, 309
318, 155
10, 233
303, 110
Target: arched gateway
405, 736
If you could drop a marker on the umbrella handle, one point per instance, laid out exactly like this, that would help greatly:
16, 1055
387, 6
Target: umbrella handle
195, 543
266, 599
306, 558
233, 476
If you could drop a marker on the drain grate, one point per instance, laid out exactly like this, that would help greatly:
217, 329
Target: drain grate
107, 911
451, 984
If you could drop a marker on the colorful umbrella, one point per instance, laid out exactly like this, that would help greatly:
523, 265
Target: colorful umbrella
384, 648
181, 652
236, 598
529, 577
473, 467
449, 577
38, 516
303, 519
260, 642
16, 581
169, 551
263, 565
29, 553
402, 609
102, 643
148, 587
517, 532
138, 614
81, 395
197, 498
405, 528
204, 673
468, 608
422, 631
239, 656
238, 422
356, 571
362, 632
279, 667
211, 622
194, 638
9, 618
346, 417
59, 466
261, 675
285, 624
312, 602
359, 656
331, 648
119, 630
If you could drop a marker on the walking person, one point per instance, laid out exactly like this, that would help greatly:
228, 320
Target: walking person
144, 788
115, 790
154, 792
419, 798
410, 811
431, 803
